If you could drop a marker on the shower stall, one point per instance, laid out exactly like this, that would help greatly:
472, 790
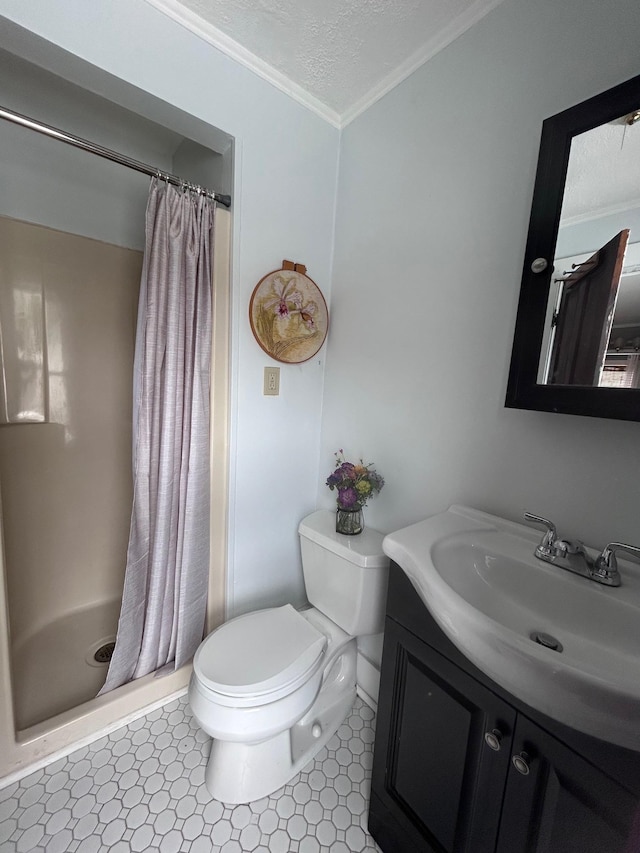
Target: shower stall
67, 326
68, 304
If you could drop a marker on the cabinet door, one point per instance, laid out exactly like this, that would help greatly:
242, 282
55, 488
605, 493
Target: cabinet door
556, 802
434, 772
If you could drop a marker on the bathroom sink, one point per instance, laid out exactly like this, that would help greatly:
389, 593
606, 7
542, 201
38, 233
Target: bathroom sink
478, 576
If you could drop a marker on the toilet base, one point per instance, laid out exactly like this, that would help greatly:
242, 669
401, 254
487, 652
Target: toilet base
243, 772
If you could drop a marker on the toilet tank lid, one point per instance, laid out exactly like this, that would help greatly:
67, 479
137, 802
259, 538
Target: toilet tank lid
259, 653
364, 549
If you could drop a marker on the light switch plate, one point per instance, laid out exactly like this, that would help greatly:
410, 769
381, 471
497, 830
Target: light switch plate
271, 381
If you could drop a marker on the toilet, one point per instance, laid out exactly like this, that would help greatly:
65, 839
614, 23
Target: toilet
271, 687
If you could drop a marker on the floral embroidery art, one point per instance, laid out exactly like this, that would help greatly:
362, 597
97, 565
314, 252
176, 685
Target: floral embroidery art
288, 315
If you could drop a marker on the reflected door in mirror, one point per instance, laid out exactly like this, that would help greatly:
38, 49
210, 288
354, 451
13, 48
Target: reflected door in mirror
582, 322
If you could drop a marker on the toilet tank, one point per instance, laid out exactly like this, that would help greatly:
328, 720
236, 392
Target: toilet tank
345, 576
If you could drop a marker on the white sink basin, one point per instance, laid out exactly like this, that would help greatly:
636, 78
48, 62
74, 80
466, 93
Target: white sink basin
477, 575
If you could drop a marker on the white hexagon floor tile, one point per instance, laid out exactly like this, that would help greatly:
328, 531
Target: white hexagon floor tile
142, 789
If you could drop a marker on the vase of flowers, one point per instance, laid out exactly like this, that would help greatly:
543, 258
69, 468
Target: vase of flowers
355, 483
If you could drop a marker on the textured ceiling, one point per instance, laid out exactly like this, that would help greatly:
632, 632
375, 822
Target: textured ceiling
339, 56
604, 173
343, 54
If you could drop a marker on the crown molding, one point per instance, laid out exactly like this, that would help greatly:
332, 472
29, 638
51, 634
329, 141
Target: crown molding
599, 213
442, 39
233, 49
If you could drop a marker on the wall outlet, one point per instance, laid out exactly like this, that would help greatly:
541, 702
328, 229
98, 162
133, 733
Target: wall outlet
271, 381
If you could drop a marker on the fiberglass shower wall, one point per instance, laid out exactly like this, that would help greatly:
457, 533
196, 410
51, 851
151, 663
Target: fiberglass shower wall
67, 327
71, 234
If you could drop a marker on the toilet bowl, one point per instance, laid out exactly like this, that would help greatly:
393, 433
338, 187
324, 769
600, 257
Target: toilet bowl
271, 687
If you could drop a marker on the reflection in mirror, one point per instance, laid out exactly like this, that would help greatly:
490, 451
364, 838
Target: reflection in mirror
591, 333
576, 346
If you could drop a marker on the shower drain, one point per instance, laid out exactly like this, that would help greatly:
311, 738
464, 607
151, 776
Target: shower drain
100, 652
104, 653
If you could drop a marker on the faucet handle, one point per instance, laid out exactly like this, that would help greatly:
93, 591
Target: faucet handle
540, 520
547, 547
606, 565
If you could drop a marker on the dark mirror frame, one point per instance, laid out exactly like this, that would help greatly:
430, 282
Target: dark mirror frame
523, 391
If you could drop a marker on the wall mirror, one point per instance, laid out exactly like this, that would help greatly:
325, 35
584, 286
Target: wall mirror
576, 346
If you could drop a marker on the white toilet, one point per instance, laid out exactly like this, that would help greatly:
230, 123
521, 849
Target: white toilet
272, 687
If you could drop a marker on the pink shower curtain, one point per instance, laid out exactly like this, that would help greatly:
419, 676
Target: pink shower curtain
165, 590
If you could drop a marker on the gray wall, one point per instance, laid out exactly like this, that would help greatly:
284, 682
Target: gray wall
427, 274
49, 183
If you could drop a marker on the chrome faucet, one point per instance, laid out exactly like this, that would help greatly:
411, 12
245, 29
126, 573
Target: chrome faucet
548, 548
606, 565
571, 555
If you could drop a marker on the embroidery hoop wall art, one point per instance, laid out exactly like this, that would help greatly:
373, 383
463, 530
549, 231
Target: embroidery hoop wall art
288, 314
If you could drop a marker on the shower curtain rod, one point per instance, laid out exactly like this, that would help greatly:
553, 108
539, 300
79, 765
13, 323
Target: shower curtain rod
108, 154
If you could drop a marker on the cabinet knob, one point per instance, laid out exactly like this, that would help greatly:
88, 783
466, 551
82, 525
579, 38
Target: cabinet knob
521, 763
493, 739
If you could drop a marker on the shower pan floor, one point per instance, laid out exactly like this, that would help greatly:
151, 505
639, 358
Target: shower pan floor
54, 669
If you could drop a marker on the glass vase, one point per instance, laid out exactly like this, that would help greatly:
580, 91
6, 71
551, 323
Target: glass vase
349, 521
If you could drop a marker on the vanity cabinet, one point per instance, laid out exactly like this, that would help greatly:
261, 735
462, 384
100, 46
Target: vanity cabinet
461, 766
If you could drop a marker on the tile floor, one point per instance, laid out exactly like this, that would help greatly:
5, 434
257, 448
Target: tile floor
141, 789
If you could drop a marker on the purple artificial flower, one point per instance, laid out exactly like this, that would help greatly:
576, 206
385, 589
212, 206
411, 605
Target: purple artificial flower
347, 498
376, 480
346, 471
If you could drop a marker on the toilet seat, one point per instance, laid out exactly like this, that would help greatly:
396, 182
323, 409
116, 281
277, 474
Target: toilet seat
259, 657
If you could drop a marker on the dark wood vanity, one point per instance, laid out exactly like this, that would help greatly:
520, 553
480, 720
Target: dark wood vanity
462, 766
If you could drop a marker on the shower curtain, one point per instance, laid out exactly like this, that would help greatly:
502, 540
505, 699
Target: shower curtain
165, 590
